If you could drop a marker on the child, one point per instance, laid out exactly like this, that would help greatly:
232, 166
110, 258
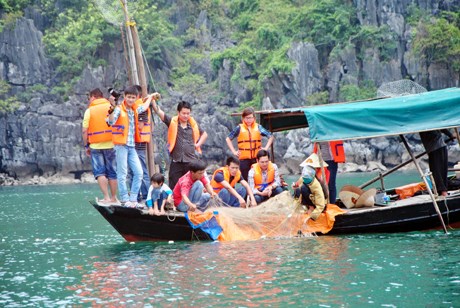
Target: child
158, 192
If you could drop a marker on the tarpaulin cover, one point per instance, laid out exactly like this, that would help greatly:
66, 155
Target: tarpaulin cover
373, 118
325, 222
206, 222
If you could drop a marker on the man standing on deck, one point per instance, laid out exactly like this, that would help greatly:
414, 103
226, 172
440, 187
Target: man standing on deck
437, 157
97, 140
249, 134
124, 122
332, 153
185, 139
142, 138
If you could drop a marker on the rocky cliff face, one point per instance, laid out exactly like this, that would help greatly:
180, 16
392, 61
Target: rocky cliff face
43, 137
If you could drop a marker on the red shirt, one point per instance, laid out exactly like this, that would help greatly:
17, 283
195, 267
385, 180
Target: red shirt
184, 185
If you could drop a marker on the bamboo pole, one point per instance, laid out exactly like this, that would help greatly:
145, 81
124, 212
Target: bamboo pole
396, 168
129, 38
364, 185
143, 83
125, 52
272, 148
414, 159
138, 76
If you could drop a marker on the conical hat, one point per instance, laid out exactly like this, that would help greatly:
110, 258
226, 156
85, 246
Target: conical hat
313, 160
349, 195
367, 198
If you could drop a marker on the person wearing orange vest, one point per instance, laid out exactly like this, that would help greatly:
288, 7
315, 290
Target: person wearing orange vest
224, 182
124, 122
264, 178
142, 138
249, 135
97, 140
185, 138
332, 153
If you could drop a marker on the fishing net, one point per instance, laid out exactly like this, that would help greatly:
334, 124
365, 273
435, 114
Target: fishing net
112, 10
399, 88
279, 217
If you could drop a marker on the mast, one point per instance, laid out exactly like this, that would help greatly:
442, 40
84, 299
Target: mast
136, 73
132, 70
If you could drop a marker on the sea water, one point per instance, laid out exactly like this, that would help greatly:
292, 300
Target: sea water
57, 250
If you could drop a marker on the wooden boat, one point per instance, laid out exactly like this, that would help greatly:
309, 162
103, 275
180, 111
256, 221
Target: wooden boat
343, 121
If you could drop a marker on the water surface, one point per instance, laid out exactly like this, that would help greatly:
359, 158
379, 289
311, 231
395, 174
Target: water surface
56, 250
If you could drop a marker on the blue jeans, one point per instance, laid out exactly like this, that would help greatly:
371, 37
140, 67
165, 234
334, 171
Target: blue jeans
104, 163
127, 157
196, 196
159, 201
275, 192
145, 181
230, 199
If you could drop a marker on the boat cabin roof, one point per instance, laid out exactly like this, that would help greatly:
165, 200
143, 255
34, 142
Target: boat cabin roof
370, 118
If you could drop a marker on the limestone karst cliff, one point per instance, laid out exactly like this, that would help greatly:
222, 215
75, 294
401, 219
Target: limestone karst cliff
43, 136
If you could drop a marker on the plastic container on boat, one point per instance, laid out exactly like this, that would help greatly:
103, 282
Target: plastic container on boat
382, 198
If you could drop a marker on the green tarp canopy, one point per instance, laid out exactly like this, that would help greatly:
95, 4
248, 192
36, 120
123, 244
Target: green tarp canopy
373, 118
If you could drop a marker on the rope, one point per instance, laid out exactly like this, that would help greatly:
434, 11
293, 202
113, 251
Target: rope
169, 217
447, 214
146, 64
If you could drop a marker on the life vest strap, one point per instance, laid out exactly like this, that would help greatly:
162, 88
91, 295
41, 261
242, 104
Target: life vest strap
253, 140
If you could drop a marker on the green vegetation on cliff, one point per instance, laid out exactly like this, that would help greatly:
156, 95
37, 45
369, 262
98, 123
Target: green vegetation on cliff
258, 33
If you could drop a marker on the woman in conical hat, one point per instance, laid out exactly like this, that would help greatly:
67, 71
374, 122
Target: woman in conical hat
313, 161
311, 192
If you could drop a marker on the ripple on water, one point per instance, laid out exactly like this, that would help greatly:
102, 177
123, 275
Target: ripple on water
66, 254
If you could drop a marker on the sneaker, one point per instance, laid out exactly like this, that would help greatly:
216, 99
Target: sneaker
139, 206
134, 205
130, 204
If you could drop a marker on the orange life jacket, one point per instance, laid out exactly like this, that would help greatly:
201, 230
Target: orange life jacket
98, 130
143, 129
121, 126
249, 141
337, 150
97, 101
258, 179
218, 186
172, 132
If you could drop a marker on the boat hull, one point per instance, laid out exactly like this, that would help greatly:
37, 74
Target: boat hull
403, 218
134, 225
